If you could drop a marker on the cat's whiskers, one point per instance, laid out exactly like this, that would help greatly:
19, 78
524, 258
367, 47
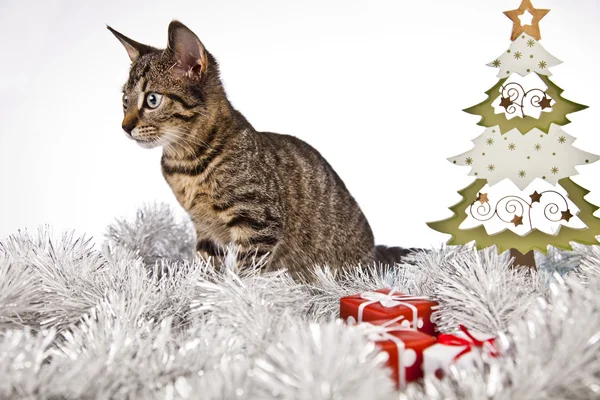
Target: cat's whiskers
184, 139
165, 143
174, 136
169, 147
181, 139
187, 138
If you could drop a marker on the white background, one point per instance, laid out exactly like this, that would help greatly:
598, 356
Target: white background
376, 86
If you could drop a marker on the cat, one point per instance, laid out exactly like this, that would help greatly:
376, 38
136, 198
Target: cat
270, 195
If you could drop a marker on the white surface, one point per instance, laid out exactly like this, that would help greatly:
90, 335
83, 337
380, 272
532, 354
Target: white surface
376, 86
524, 56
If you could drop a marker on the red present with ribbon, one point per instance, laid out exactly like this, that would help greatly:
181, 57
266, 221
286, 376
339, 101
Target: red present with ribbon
404, 347
458, 349
387, 304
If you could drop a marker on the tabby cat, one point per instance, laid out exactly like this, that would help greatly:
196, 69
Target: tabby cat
267, 194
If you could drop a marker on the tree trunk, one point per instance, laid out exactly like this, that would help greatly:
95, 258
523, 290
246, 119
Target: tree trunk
523, 260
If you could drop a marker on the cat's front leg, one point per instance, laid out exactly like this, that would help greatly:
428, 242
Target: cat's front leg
256, 234
208, 249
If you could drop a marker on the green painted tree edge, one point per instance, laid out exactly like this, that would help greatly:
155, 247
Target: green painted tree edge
535, 240
558, 116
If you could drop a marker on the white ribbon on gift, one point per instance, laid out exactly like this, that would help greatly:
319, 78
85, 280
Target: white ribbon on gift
390, 301
379, 333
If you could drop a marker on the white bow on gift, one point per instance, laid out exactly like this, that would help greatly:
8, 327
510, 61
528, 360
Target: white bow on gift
389, 301
381, 333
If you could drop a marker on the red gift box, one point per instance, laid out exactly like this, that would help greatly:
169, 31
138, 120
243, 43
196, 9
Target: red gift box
404, 346
459, 349
386, 304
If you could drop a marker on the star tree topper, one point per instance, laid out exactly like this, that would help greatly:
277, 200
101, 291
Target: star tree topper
519, 28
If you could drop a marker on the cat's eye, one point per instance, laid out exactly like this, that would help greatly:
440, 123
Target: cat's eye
125, 101
153, 100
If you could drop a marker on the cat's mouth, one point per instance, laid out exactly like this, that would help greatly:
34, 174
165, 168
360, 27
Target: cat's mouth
148, 143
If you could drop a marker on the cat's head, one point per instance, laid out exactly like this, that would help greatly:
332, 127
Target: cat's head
169, 91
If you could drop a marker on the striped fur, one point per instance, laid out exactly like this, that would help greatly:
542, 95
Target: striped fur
263, 192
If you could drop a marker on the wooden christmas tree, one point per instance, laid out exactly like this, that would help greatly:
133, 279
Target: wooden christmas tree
523, 198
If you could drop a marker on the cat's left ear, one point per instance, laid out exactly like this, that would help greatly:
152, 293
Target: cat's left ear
134, 49
188, 49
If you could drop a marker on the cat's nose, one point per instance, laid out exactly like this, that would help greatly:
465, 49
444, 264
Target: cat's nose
129, 124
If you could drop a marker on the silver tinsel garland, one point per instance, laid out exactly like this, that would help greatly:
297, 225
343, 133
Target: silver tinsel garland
141, 317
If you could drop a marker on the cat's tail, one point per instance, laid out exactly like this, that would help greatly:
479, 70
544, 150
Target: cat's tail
385, 255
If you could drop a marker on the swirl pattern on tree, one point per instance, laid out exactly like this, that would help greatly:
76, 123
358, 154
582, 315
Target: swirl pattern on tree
523, 97
541, 206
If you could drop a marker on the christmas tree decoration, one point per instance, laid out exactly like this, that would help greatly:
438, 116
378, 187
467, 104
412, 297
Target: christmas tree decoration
523, 198
386, 304
519, 26
549, 157
510, 95
525, 55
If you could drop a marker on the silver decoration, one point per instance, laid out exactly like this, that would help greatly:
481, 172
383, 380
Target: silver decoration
328, 286
110, 323
478, 289
326, 361
558, 261
155, 234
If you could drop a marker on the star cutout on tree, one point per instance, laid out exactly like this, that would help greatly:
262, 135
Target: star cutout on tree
517, 220
545, 102
512, 146
505, 102
533, 29
535, 197
491, 167
554, 170
522, 174
483, 198
530, 43
542, 64
468, 161
566, 215
537, 147
518, 55
496, 63
490, 141
562, 140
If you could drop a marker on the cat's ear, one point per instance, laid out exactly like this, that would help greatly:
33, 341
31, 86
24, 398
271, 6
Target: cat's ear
134, 49
188, 50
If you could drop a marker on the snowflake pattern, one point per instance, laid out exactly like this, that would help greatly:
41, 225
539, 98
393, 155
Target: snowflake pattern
490, 141
525, 56
514, 156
